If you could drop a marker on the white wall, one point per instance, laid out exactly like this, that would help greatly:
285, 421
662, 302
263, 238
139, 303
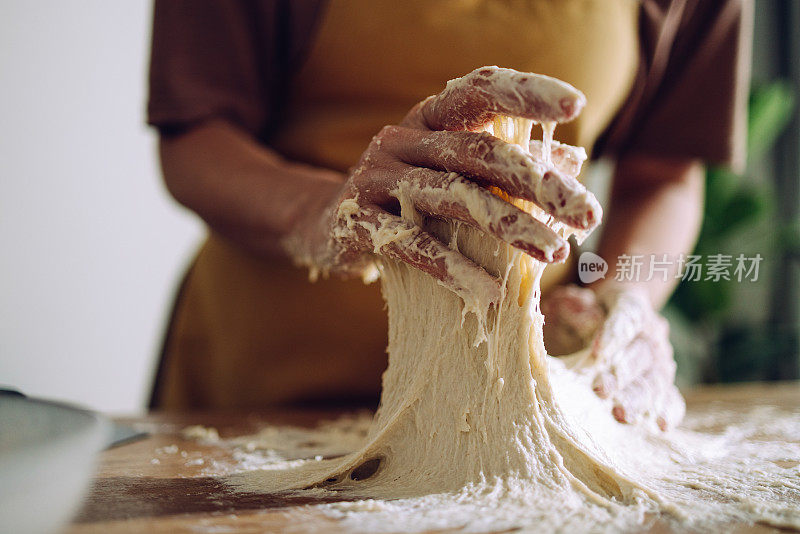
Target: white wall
91, 246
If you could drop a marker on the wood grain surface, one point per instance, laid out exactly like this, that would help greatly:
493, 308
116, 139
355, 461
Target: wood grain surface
161, 484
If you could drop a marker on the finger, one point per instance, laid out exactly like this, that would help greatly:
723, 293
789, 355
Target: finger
393, 237
577, 307
653, 395
636, 399
450, 196
490, 161
639, 356
674, 408
567, 159
605, 384
469, 102
648, 352
572, 316
627, 316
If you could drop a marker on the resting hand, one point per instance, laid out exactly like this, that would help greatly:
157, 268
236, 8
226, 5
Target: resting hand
629, 349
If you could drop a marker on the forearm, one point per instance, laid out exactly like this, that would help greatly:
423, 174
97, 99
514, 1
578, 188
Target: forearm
656, 209
241, 189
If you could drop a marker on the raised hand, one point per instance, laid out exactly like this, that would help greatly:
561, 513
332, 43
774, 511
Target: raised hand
438, 163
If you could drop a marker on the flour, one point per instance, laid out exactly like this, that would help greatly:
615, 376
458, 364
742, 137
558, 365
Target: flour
497, 435
200, 433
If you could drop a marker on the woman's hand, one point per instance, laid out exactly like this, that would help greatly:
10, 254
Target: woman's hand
630, 350
436, 162
573, 316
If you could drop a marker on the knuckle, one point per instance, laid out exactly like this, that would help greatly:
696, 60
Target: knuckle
480, 146
360, 179
485, 145
481, 73
387, 131
412, 176
418, 110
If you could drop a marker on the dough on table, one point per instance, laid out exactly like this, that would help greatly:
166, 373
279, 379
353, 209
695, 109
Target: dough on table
478, 428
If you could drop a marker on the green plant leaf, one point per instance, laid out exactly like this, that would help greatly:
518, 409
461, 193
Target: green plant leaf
770, 111
721, 184
745, 207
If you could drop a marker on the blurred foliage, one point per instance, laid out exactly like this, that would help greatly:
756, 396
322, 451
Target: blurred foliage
710, 344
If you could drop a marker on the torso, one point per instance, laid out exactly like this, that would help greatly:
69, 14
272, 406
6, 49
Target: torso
251, 332
372, 61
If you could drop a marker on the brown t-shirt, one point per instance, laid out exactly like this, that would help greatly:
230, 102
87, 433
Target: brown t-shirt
316, 80
235, 59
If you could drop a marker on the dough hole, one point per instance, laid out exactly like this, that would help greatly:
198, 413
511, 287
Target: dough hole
366, 469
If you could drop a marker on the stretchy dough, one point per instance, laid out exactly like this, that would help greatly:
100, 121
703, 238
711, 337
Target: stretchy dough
479, 428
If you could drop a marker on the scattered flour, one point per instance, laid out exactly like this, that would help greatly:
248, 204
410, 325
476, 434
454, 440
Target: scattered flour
200, 433
498, 435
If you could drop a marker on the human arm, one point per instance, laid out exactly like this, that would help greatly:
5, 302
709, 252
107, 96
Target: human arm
656, 209
688, 105
432, 159
241, 188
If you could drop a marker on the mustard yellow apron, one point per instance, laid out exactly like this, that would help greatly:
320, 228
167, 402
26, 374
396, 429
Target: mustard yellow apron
249, 332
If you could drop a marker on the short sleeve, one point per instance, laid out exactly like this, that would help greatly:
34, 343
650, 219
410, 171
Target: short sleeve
225, 58
690, 94
204, 62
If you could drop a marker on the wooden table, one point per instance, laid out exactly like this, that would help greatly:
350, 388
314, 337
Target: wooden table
150, 486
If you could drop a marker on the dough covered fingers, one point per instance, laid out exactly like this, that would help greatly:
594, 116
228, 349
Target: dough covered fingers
653, 397
448, 195
369, 227
637, 399
631, 363
572, 317
566, 159
469, 102
489, 161
628, 313
438, 164
636, 368
674, 408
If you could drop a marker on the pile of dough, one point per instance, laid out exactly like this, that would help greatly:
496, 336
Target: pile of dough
476, 421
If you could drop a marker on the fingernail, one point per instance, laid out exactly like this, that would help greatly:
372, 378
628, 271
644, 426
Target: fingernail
561, 254
600, 387
568, 106
662, 424
619, 413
